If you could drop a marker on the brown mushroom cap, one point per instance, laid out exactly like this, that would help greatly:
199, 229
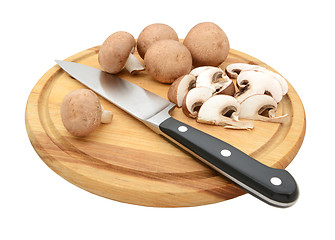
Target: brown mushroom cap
152, 34
208, 44
180, 87
81, 112
115, 50
166, 60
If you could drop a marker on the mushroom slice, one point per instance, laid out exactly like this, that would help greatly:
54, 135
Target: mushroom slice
233, 70
194, 99
282, 81
222, 110
196, 71
213, 78
261, 107
255, 82
180, 87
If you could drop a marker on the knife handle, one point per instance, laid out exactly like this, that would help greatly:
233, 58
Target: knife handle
274, 186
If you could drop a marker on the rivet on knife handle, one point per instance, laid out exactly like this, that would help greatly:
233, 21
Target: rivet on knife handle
274, 186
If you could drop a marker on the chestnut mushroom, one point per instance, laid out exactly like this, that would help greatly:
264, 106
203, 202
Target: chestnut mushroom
152, 34
180, 87
261, 107
82, 113
222, 110
208, 44
116, 53
166, 60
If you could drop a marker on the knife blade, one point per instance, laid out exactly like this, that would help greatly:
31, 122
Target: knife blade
274, 186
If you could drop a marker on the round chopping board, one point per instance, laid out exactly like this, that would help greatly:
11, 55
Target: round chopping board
127, 162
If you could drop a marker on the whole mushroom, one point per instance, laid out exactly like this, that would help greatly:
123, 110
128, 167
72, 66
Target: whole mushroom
82, 113
152, 34
166, 60
116, 53
208, 44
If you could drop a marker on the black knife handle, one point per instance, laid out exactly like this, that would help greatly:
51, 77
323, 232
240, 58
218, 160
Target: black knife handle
274, 186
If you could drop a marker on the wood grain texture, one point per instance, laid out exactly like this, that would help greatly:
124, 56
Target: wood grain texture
127, 162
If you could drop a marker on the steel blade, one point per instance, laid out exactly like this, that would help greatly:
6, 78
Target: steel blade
135, 100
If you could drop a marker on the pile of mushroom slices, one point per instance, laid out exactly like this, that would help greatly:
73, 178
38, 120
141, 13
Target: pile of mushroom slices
208, 95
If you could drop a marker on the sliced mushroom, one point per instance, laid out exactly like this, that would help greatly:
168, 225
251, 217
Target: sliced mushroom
254, 82
194, 99
179, 88
196, 71
215, 79
82, 113
222, 110
233, 70
261, 107
282, 81
116, 53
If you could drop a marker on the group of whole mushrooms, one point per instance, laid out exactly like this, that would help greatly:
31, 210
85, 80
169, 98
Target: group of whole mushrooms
202, 89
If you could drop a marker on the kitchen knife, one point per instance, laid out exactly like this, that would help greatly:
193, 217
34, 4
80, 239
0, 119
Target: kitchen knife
274, 186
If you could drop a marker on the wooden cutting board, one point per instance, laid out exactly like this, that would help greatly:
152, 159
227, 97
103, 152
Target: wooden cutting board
127, 162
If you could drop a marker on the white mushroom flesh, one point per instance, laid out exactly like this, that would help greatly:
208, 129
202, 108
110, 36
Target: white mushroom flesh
133, 65
222, 110
213, 78
255, 106
254, 82
194, 99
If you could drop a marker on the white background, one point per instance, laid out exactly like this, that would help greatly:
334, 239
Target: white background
294, 37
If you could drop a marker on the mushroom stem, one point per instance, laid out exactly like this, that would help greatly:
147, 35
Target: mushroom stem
279, 119
106, 116
133, 65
